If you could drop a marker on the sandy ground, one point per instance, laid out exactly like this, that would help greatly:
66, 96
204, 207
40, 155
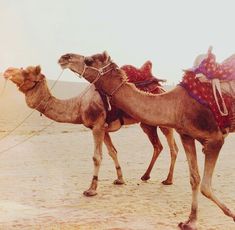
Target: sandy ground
42, 179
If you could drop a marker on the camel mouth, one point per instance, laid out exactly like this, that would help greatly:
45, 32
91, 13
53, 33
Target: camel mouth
7, 75
63, 65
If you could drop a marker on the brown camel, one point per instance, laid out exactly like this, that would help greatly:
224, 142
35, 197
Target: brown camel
87, 109
175, 109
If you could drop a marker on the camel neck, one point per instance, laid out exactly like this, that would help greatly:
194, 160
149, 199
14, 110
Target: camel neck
137, 104
41, 99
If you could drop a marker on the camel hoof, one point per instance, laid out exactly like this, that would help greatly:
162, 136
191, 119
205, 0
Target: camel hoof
145, 177
186, 226
119, 182
90, 193
166, 182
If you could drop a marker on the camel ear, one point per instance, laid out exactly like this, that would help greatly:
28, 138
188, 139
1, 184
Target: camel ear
41, 77
37, 70
106, 56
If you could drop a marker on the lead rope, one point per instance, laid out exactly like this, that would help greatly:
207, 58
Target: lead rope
27, 138
109, 97
45, 127
30, 114
216, 88
4, 86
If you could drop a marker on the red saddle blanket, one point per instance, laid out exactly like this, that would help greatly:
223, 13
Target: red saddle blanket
143, 78
203, 93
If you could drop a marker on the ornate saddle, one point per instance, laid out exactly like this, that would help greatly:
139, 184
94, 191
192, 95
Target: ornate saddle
213, 84
143, 79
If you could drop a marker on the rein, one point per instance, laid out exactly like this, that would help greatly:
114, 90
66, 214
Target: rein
30, 114
35, 84
101, 72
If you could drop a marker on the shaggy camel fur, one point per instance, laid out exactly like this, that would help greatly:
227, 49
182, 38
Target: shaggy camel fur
175, 109
87, 109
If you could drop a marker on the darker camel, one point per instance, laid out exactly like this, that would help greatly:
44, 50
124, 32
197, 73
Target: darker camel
175, 109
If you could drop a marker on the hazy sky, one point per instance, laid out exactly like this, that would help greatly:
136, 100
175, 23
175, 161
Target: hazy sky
170, 33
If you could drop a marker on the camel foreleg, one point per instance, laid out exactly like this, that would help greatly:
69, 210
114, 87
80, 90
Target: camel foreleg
190, 150
98, 135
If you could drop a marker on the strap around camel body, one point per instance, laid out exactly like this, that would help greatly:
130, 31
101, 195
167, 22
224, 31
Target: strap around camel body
113, 113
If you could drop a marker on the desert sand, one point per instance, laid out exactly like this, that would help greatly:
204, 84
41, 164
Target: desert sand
42, 179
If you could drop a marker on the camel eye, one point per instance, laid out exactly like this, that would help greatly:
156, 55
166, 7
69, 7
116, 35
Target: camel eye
88, 61
67, 56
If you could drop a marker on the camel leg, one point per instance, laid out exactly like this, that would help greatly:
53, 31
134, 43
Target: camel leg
174, 152
190, 150
211, 154
113, 153
98, 135
151, 132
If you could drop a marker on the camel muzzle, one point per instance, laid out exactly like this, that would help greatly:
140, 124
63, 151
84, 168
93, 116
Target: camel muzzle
7, 75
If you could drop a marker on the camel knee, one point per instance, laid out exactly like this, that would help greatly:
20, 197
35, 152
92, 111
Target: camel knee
113, 153
206, 191
97, 160
174, 153
158, 147
213, 145
195, 181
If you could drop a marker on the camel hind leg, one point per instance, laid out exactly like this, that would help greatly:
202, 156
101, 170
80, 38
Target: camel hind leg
168, 132
211, 151
151, 132
113, 153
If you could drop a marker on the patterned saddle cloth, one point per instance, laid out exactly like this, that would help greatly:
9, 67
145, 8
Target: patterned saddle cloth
207, 65
143, 79
213, 85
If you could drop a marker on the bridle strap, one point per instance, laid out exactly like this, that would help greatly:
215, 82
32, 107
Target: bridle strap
35, 84
118, 87
101, 72
22, 84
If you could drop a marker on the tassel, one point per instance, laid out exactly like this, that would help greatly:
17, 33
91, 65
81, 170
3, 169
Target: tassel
109, 105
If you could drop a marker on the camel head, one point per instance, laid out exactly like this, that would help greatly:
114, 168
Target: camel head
78, 63
25, 79
97, 69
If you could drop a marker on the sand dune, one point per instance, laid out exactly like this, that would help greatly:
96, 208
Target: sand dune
42, 180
